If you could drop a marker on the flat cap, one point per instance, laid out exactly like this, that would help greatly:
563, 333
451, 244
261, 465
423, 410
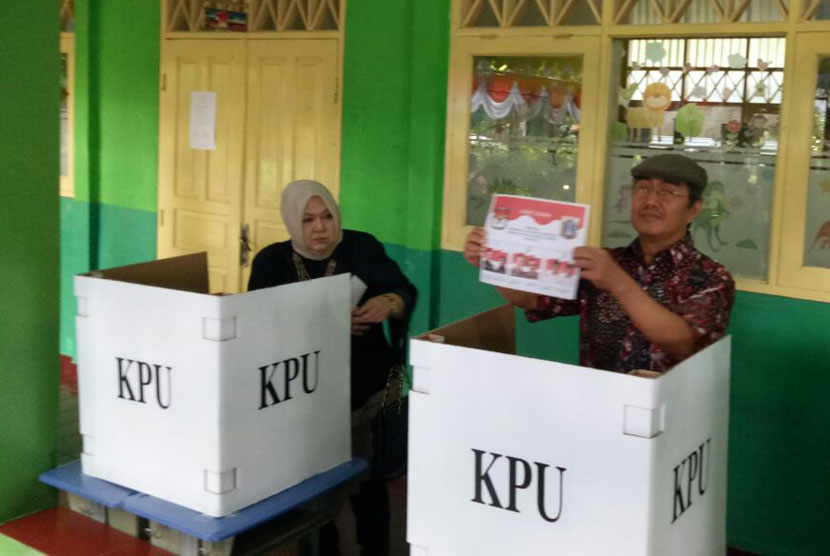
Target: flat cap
673, 167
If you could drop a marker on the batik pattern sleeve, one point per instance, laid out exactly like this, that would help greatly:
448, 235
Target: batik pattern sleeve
549, 307
707, 303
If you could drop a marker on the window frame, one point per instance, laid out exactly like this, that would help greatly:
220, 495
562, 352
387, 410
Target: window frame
793, 273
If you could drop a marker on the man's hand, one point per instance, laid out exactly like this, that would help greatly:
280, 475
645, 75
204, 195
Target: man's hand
601, 269
670, 332
474, 245
376, 309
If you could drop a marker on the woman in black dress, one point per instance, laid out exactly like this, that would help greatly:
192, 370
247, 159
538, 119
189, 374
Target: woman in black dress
320, 247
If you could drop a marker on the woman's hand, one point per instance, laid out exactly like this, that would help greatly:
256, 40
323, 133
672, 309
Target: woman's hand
474, 245
376, 309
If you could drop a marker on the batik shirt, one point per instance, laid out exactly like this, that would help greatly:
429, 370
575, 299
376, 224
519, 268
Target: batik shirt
680, 278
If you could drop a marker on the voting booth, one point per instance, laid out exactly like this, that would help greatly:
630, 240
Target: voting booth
212, 402
514, 455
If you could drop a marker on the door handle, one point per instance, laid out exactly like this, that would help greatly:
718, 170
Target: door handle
245, 246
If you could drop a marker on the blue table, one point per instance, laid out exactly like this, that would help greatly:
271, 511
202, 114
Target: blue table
69, 478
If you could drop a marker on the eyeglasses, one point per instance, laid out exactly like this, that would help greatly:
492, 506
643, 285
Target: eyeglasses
644, 188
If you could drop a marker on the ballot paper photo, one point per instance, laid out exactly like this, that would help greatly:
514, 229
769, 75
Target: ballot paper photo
530, 243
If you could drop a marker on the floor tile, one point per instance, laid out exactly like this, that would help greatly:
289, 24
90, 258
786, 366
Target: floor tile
12, 547
62, 532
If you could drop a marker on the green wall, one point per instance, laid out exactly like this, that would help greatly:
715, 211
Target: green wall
111, 221
779, 444
393, 120
394, 98
391, 185
29, 59
375, 139
126, 78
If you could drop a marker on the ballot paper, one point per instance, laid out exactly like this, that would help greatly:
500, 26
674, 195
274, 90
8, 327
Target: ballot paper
358, 288
530, 242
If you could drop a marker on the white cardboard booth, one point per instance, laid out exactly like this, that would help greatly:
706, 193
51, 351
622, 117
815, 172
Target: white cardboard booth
213, 402
520, 456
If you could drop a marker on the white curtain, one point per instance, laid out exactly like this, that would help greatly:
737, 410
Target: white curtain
525, 111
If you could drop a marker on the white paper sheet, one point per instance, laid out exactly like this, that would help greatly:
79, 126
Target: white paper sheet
358, 289
203, 120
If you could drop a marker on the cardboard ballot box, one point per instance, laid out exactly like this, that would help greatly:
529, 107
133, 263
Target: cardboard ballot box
513, 455
210, 402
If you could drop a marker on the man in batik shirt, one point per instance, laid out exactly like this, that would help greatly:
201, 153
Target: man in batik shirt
654, 303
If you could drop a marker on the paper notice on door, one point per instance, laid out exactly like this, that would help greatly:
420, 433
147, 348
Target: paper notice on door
530, 244
203, 120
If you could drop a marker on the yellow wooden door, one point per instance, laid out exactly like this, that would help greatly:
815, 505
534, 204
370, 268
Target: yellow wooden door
293, 129
200, 191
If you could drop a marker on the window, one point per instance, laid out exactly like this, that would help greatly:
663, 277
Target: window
817, 225
815, 10
715, 100
190, 16
516, 116
650, 12
524, 129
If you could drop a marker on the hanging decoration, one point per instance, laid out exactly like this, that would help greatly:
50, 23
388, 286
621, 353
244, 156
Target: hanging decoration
528, 98
736, 61
760, 89
655, 51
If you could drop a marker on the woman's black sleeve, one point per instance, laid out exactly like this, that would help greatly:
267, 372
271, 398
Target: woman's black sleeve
267, 270
385, 276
